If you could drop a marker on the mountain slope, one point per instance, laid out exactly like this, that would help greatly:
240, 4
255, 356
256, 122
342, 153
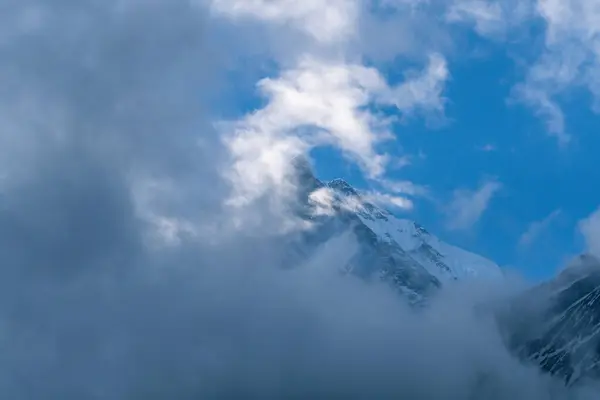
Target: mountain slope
440, 259
396, 250
557, 324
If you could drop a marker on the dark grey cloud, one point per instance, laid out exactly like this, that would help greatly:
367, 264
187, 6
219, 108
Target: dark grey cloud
98, 97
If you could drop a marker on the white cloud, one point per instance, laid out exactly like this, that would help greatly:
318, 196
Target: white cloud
571, 58
467, 206
387, 200
423, 91
590, 228
324, 199
315, 104
487, 17
320, 98
545, 108
490, 18
404, 187
536, 228
322, 103
401, 162
327, 22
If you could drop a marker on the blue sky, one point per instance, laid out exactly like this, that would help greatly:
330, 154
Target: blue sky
488, 105
487, 136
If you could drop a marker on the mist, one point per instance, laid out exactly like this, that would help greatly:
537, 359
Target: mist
125, 276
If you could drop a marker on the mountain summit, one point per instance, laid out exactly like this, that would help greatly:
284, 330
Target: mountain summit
555, 325
393, 249
440, 259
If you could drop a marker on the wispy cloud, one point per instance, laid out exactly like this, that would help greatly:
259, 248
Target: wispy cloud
327, 22
404, 187
322, 96
488, 148
467, 206
571, 58
536, 228
540, 100
424, 91
489, 18
322, 103
387, 200
590, 229
324, 200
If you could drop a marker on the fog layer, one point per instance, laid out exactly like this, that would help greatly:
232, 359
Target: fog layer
124, 276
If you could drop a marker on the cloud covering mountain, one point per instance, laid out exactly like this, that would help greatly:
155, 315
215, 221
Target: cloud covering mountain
142, 246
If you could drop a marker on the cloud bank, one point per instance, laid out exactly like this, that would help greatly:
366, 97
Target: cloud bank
125, 274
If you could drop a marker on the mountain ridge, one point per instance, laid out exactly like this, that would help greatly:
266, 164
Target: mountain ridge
441, 259
392, 249
554, 325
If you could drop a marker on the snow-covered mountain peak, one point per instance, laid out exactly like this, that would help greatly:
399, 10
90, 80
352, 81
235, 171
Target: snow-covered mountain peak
342, 186
442, 260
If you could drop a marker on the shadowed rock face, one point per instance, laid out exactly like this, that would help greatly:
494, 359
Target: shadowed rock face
557, 324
